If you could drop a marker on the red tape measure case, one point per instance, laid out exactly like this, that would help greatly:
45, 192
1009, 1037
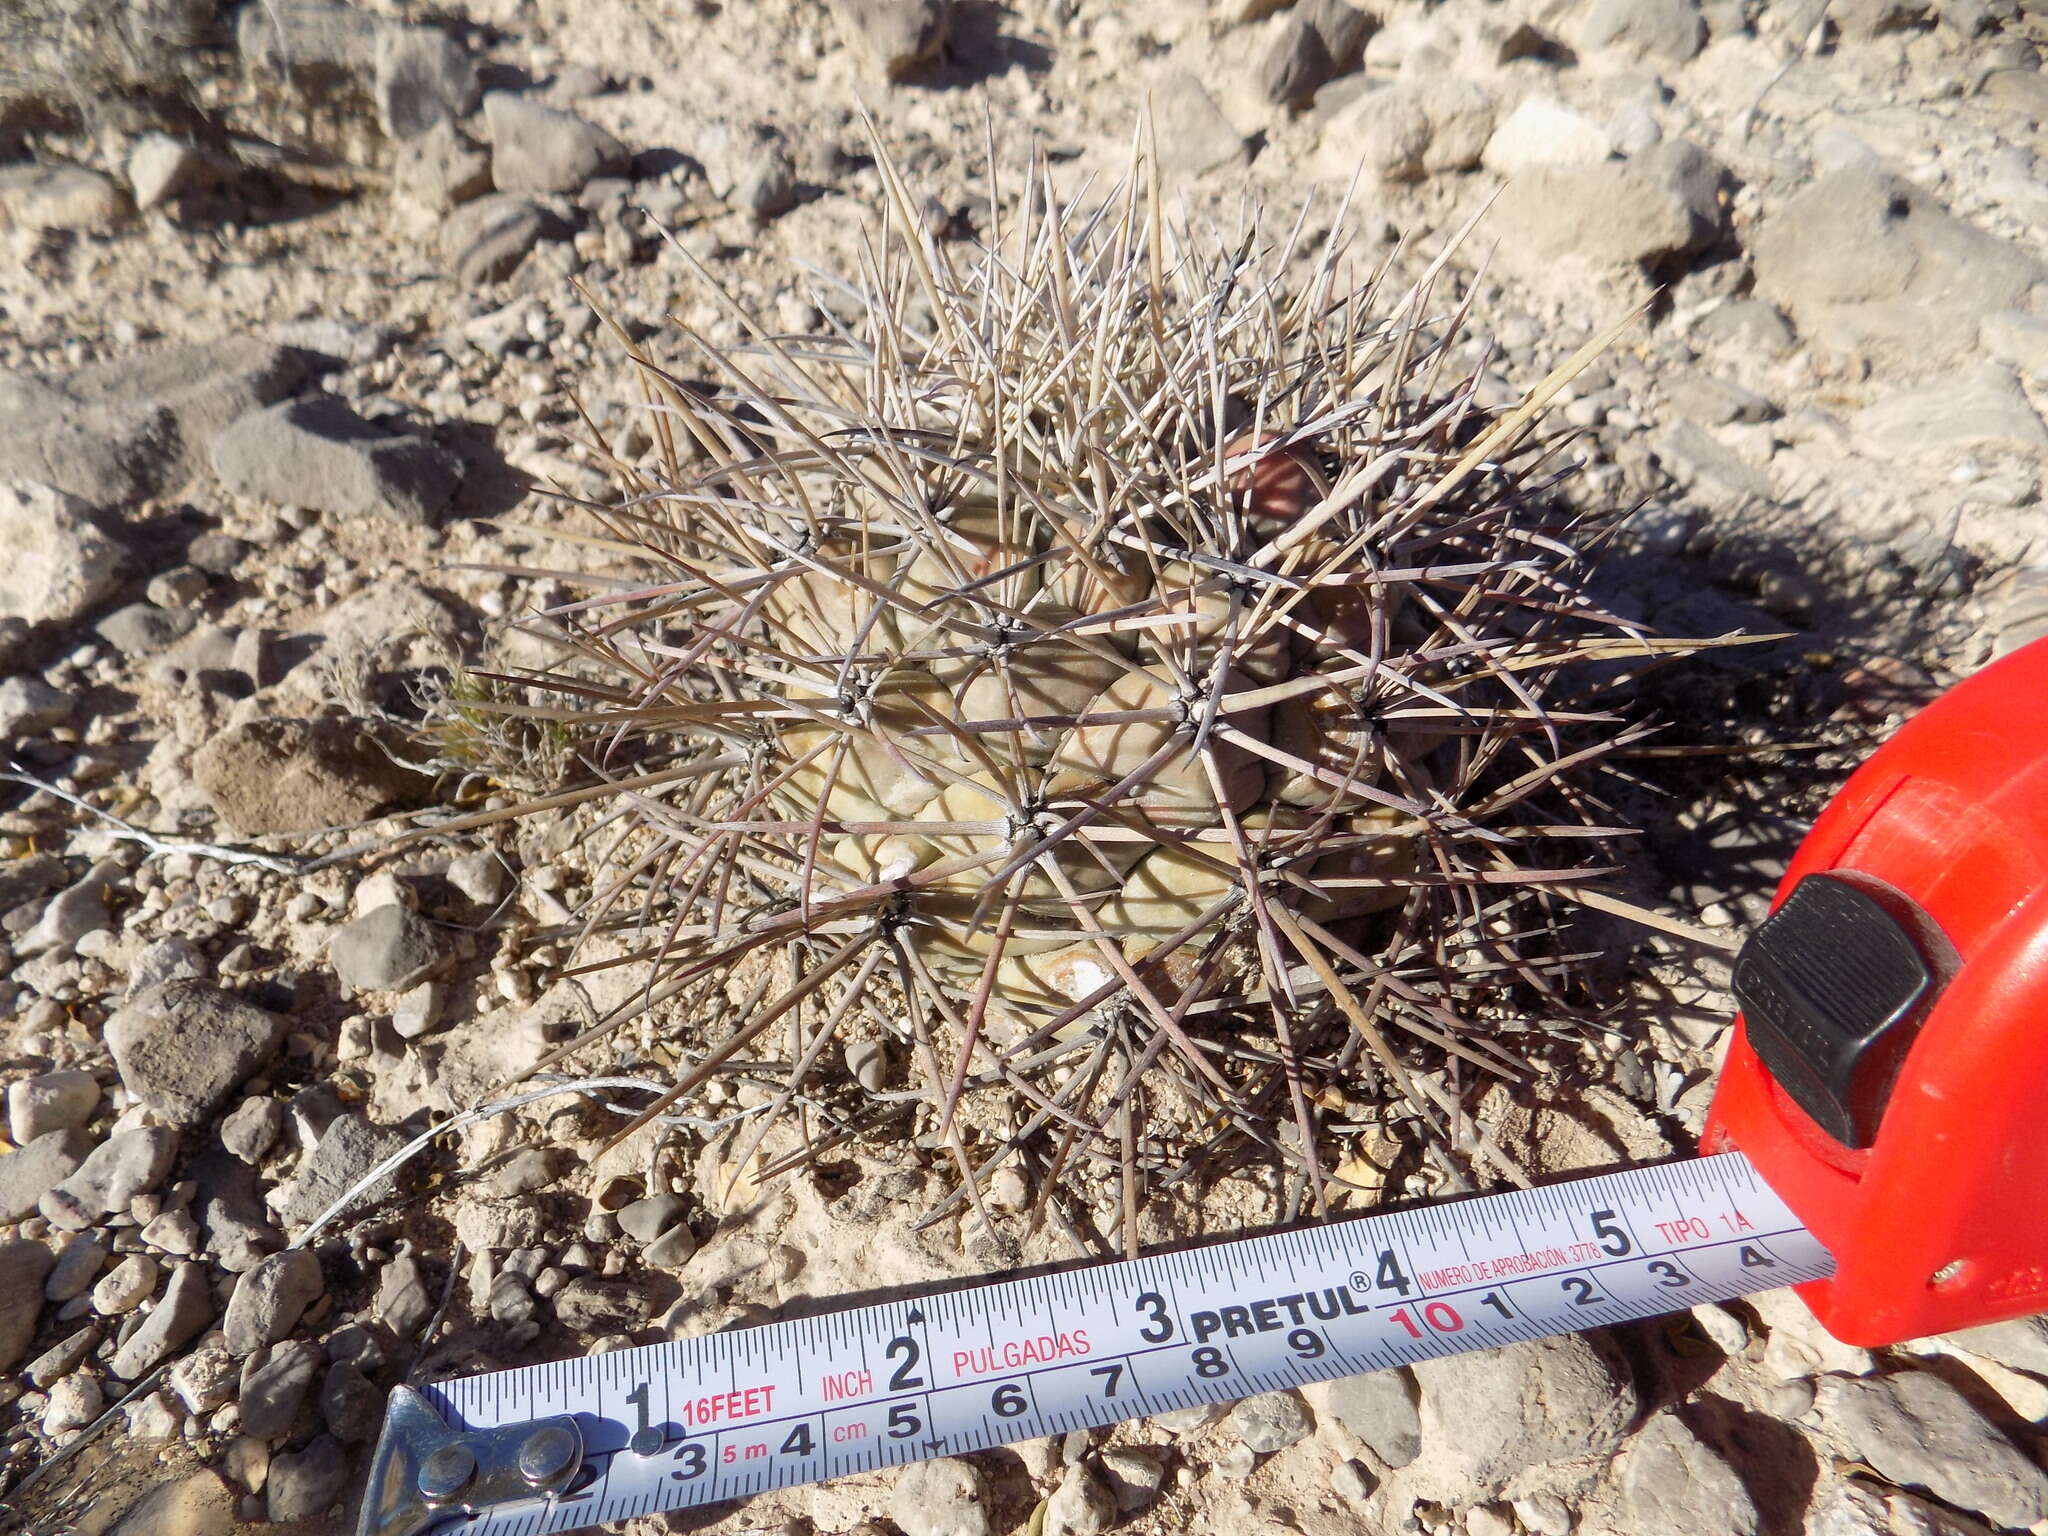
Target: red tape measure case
1889, 1073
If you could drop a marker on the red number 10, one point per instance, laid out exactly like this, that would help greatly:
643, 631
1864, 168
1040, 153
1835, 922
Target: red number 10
1441, 1317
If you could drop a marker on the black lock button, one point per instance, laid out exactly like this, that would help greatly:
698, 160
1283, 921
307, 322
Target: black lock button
1833, 987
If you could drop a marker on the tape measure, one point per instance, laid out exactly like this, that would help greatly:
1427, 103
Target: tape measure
637, 1431
1875, 1140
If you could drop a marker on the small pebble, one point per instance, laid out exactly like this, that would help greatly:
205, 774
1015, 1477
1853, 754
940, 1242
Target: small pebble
418, 1009
529, 1169
1272, 1421
868, 1061
78, 1265
74, 1403
645, 1220
1729, 1333
1350, 1480
1236, 1462
672, 1250
1082, 1505
126, 1286
252, 1128
52, 1101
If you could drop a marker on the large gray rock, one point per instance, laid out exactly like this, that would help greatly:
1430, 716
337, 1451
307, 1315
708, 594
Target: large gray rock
1917, 1431
60, 197
318, 453
943, 1497
1656, 31
34, 1169
302, 1484
1981, 406
184, 1047
1271, 1421
73, 1403
1380, 1408
252, 1127
1671, 1481
536, 148
1319, 41
62, 1357
442, 167
385, 950
1867, 262
180, 1317
1499, 1412
894, 38
275, 1384
126, 1286
270, 1299
295, 37
1082, 1505
484, 241
143, 629
123, 1166
421, 78
351, 1147
2021, 1343
171, 958
645, 1220
58, 566
138, 425
300, 776
23, 1268
205, 1379
1407, 131
78, 1265
1194, 136
1614, 214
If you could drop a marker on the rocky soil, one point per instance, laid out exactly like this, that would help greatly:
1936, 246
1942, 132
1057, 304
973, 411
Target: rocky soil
293, 348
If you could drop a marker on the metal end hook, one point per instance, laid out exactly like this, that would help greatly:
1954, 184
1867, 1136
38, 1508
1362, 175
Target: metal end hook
423, 1471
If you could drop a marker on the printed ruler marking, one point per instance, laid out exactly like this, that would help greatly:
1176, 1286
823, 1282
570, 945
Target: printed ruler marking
991, 1363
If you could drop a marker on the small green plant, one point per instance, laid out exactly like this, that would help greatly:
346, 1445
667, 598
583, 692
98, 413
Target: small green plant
475, 727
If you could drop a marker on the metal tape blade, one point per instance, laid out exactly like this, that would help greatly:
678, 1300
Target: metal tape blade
729, 1415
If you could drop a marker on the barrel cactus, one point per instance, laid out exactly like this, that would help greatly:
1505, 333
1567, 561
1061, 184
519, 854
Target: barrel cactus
1131, 670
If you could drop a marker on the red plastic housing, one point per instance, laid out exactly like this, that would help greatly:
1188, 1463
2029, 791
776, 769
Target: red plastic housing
1942, 1222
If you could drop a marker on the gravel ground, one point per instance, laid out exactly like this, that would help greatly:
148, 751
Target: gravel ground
288, 340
